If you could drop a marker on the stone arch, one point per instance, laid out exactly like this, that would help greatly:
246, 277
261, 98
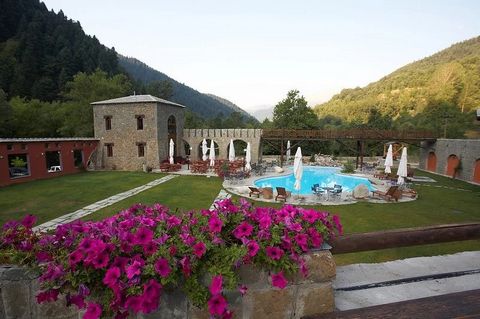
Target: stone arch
187, 148
452, 163
209, 141
172, 132
476, 171
432, 162
240, 145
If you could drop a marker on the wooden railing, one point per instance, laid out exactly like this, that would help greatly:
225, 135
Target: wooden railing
355, 134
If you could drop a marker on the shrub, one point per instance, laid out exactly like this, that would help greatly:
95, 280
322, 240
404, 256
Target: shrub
348, 167
124, 263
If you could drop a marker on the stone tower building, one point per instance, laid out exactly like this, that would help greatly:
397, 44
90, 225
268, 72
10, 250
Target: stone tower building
135, 130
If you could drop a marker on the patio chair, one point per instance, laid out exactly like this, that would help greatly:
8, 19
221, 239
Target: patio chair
391, 193
254, 191
282, 193
336, 192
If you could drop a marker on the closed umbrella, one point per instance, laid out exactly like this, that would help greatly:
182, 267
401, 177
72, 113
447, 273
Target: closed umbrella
231, 152
171, 150
298, 169
288, 150
212, 153
389, 160
248, 158
402, 167
204, 150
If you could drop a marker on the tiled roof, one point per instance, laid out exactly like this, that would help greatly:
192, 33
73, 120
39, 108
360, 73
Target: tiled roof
45, 139
136, 99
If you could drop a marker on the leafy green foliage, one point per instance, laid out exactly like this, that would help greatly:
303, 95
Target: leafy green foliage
417, 96
293, 112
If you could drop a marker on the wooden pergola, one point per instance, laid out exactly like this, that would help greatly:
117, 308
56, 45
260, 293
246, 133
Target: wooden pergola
359, 135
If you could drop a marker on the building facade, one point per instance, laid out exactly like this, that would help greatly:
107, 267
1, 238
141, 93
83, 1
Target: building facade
134, 131
452, 157
26, 159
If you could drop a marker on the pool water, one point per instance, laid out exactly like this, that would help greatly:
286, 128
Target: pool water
325, 176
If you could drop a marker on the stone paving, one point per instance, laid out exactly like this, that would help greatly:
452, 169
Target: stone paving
221, 196
87, 210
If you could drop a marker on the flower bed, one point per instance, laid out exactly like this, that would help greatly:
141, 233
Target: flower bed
124, 263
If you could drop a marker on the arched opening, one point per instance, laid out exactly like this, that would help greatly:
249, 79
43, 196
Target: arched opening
240, 146
452, 163
476, 171
209, 143
172, 132
187, 149
432, 162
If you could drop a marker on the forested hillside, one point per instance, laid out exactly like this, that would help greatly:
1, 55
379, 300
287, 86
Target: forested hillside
205, 105
419, 95
40, 51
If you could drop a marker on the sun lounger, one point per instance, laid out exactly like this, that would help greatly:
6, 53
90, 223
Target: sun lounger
392, 193
254, 191
282, 193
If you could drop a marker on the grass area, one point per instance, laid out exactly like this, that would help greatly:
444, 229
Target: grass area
444, 202
183, 193
51, 198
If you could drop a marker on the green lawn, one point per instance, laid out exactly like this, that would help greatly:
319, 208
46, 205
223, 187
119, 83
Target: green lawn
453, 202
182, 193
51, 198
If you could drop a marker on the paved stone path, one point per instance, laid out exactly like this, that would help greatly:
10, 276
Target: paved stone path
221, 196
364, 285
87, 210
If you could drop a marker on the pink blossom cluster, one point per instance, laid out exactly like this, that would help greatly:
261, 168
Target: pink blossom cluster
124, 263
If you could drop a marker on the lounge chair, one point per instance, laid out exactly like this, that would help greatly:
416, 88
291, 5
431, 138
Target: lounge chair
282, 193
254, 191
392, 193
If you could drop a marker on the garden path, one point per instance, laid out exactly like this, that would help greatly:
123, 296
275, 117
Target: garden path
87, 210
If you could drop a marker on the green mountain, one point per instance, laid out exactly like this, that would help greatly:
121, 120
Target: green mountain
447, 83
204, 105
40, 50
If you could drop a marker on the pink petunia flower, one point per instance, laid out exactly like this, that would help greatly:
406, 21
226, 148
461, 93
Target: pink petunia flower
243, 230
43, 256
134, 269
217, 305
101, 261
215, 224
274, 253
48, 295
199, 249
28, 221
186, 267
315, 237
338, 225
216, 285
93, 311
76, 300
243, 290
111, 276
143, 236
162, 267
278, 280
252, 247
150, 248
302, 241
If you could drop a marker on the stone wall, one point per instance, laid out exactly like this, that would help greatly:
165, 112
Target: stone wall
164, 111
467, 150
222, 137
302, 297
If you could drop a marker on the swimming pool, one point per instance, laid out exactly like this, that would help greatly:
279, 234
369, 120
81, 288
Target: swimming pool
325, 176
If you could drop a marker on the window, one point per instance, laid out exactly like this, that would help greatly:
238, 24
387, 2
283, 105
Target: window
140, 121
23, 146
57, 145
108, 122
52, 159
9, 147
109, 149
141, 149
47, 145
18, 165
77, 158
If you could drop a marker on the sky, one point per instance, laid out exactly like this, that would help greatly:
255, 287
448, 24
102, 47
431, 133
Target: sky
253, 52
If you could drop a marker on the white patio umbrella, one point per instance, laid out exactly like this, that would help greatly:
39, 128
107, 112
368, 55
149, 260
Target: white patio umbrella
171, 150
402, 167
298, 169
212, 153
389, 160
231, 152
204, 150
288, 150
248, 158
